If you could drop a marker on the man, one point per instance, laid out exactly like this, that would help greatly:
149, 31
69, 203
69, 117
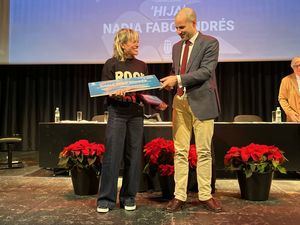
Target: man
195, 106
289, 93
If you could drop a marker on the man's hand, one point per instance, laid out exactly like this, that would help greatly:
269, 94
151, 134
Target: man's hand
169, 82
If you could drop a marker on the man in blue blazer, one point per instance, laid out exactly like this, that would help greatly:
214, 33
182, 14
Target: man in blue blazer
195, 106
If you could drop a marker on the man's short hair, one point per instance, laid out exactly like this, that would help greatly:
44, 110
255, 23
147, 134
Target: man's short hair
294, 61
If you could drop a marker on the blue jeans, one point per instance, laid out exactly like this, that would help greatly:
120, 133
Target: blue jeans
124, 135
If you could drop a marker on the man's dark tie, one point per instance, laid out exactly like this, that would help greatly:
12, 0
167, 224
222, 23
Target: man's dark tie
183, 64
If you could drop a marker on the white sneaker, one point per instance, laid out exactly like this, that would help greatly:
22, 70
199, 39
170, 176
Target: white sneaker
102, 210
130, 207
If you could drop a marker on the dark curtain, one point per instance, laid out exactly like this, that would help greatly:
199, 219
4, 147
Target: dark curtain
30, 93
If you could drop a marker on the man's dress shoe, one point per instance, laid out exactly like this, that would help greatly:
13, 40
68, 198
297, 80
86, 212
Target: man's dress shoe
175, 205
212, 204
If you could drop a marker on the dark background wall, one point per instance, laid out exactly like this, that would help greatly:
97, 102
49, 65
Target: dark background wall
30, 93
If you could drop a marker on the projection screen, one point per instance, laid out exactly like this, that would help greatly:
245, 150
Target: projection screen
81, 31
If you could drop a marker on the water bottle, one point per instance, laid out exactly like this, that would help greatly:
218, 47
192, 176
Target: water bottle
278, 115
57, 115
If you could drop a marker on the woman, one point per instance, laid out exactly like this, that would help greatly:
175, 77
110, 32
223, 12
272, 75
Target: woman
289, 93
124, 130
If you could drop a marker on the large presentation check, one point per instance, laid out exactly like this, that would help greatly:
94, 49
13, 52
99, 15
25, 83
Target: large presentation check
102, 88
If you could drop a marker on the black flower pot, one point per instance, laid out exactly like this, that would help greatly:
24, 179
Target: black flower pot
85, 181
192, 181
167, 186
255, 188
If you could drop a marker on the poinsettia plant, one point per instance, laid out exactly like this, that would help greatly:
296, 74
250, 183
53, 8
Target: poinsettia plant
159, 156
82, 154
255, 158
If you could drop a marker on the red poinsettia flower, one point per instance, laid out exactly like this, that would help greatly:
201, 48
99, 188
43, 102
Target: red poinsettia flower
233, 152
153, 148
255, 158
159, 154
166, 170
193, 156
82, 153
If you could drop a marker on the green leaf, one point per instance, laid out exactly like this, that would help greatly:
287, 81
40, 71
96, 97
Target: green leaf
146, 169
63, 163
281, 169
80, 158
248, 173
91, 161
262, 167
79, 165
275, 163
252, 168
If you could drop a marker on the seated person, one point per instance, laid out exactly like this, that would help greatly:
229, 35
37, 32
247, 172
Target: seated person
289, 92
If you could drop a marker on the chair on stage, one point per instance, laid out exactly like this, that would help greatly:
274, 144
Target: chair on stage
10, 142
99, 118
247, 118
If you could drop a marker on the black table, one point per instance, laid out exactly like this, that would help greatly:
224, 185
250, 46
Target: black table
54, 136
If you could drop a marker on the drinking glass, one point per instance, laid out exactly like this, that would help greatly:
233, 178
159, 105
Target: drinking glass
79, 116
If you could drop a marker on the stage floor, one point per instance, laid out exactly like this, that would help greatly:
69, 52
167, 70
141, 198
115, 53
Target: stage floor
32, 195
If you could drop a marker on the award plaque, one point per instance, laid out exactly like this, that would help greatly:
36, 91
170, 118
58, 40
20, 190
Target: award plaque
102, 88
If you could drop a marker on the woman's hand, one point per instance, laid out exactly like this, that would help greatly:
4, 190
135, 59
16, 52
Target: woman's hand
118, 94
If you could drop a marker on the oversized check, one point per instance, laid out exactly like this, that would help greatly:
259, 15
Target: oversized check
108, 87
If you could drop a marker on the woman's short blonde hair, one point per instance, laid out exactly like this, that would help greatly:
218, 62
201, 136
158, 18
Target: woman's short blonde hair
122, 37
294, 61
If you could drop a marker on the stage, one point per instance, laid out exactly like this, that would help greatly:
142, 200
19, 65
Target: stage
32, 195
